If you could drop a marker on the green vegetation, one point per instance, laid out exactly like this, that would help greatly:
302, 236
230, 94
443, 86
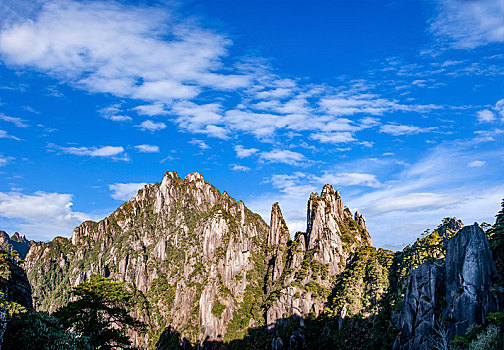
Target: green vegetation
32, 330
218, 309
496, 239
99, 312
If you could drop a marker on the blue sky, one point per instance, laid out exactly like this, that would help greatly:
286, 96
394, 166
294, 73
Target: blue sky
398, 104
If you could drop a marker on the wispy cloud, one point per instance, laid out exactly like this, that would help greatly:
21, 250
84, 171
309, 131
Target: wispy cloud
469, 24
477, 164
283, 156
5, 135
20, 123
4, 160
398, 130
114, 113
124, 191
242, 152
102, 151
147, 148
237, 167
149, 125
199, 143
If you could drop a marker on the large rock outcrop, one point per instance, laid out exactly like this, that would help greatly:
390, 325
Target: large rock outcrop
468, 279
195, 254
450, 294
420, 311
305, 267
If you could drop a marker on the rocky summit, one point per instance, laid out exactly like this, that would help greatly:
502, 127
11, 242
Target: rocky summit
206, 272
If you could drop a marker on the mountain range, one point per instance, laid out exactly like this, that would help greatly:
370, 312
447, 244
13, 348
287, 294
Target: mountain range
209, 273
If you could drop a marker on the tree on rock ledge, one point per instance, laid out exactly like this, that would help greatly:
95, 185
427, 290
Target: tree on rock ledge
99, 312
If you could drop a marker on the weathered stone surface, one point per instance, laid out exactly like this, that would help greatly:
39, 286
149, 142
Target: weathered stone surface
277, 242
313, 258
182, 243
360, 220
469, 273
463, 281
421, 307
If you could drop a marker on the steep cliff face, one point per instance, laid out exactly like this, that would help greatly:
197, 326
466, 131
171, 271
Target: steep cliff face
14, 284
469, 270
195, 254
421, 307
449, 294
16, 242
305, 268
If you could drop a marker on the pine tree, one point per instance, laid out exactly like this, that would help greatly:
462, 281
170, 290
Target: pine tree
496, 238
99, 312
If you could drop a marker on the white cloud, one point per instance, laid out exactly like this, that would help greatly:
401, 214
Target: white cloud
477, 164
152, 109
20, 123
114, 113
274, 93
200, 143
468, 24
397, 130
114, 48
283, 156
149, 125
41, 215
4, 160
242, 152
412, 201
200, 119
124, 191
5, 135
349, 179
103, 151
334, 137
147, 148
237, 167
349, 103
485, 116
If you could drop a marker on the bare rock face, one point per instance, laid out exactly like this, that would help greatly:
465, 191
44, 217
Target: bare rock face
462, 281
194, 253
308, 263
277, 242
421, 307
469, 273
360, 220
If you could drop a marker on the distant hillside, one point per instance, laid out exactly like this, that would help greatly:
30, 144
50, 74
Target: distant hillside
16, 242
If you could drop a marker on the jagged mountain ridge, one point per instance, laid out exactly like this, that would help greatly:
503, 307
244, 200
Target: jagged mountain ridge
200, 259
209, 271
15, 242
303, 270
181, 243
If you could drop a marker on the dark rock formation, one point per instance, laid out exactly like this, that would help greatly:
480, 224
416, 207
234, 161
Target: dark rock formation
449, 295
14, 284
469, 273
419, 315
16, 242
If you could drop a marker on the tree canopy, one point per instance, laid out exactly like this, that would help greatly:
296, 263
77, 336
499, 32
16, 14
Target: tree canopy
99, 312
